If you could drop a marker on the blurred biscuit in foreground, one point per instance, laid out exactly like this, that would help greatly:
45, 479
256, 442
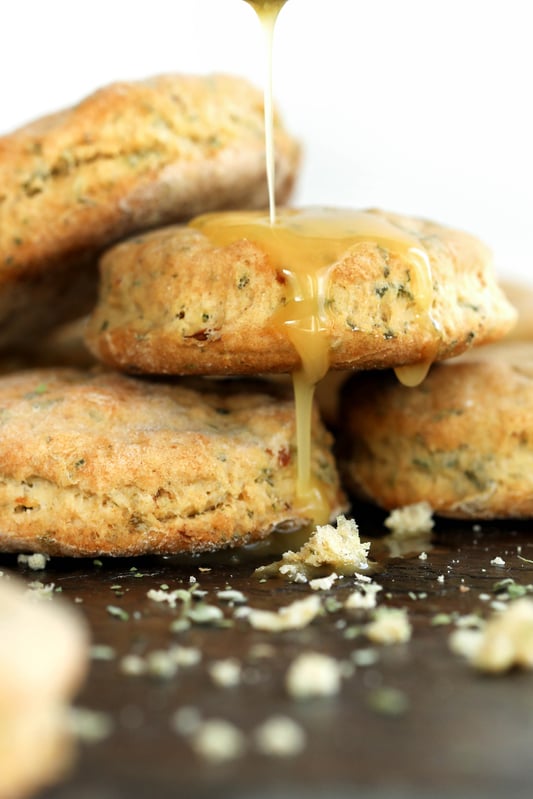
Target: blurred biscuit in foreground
94, 464
171, 302
462, 440
128, 157
43, 659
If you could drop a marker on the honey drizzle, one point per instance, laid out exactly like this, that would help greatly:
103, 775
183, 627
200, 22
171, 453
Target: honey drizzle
305, 244
267, 12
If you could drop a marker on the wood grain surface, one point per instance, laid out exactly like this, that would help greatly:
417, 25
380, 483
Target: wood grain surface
451, 732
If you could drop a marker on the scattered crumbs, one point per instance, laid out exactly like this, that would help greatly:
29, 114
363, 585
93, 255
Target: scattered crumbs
218, 741
295, 616
164, 595
469, 621
497, 561
204, 569
464, 589
242, 612
510, 589
133, 665
484, 597
423, 556
389, 626
476, 528
186, 656
280, 736
498, 604
231, 595
292, 573
161, 664
332, 604
202, 613
365, 657
78, 600
102, 652
440, 578
336, 548
364, 597
313, 674
225, 673
180, 625
442, 619
506, 640
193, 580
35, 562
38, 590
261, 650
323, 583
118, 613
90, 726
186, 720
388, 701
411, 520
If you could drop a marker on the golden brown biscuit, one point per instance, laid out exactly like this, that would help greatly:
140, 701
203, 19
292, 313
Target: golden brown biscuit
462, 441
171, 302
129, 157
105, 464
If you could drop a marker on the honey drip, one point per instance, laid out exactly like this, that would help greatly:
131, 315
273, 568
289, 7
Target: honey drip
267, 11
304, 244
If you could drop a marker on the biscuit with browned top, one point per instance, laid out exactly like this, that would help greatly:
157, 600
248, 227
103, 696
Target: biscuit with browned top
171, 302
101, 463
129, 157
462, 441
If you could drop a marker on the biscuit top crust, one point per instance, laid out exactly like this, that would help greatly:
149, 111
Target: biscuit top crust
174, 302
129, 157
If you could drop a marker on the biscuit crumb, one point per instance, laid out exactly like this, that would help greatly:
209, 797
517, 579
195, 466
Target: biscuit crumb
497, 561
364, 597
313, 674
218, 741
280, 736
295, 616
35, 562
411, 520
338, 549
226, 673
390, 626
505, 641
323, 583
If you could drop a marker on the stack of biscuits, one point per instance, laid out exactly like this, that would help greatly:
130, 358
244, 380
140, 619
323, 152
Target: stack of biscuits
132, 443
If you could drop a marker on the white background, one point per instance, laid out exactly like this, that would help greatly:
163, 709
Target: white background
417, 106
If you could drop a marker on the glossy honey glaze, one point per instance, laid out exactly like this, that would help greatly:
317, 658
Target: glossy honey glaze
305, 244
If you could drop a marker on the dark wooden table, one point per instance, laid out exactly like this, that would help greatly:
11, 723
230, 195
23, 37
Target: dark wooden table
460, 733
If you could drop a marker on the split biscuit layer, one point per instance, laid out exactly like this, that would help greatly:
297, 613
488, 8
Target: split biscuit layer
100, 463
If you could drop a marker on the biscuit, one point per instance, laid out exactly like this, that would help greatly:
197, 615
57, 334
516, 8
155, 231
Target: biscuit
462, 440
172, 303
100, 463
43, 659
129, 157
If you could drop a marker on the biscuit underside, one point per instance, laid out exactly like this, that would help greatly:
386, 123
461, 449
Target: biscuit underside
130, 157
171, 303
113, 465
462, 441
